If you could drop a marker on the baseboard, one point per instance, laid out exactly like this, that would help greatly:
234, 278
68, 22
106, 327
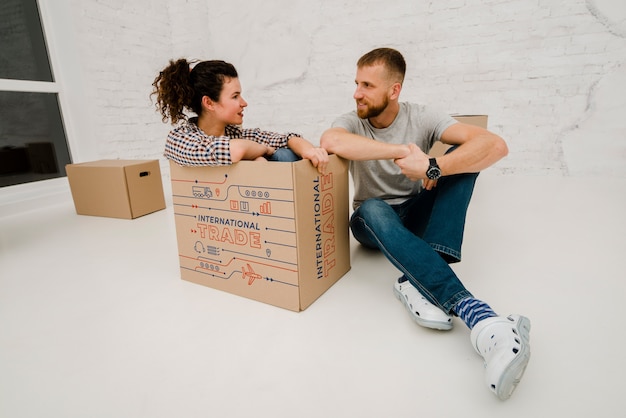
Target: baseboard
26, 197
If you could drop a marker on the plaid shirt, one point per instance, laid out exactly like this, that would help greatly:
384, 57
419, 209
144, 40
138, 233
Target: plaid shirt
188, 145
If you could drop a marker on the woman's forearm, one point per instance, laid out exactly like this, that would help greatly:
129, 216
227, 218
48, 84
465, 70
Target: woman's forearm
243, 149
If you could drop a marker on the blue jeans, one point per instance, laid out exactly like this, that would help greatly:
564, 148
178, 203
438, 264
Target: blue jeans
284, 155
421, 236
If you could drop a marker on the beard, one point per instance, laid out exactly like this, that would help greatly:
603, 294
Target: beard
371, 111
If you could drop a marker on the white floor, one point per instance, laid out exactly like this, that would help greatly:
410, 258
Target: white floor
95, 322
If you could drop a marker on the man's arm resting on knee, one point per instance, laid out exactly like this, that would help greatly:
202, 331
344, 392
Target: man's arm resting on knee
478, 149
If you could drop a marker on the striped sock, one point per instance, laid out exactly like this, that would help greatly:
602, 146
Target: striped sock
472, 311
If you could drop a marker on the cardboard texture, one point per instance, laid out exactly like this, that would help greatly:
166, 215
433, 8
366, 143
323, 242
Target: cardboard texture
116, 188
440, 148
274, 232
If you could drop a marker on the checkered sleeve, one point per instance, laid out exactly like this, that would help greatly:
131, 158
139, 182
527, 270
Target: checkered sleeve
187, 145
272, 139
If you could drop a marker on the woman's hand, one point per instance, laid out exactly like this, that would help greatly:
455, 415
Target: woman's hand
318, 157
270, 151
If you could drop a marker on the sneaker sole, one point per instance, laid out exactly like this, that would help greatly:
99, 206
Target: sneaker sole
438, 325
515, 370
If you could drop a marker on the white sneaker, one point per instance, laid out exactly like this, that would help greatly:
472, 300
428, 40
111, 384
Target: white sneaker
422, 311
504, 345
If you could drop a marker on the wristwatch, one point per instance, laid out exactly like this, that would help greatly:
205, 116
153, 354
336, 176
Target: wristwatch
433, 172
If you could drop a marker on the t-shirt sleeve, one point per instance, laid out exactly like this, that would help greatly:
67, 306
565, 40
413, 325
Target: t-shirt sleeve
348, 121
439, 121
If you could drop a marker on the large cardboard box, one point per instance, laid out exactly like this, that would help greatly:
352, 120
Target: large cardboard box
440, 148
275, 232
116, 188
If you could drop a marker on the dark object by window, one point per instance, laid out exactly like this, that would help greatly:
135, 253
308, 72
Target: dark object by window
32, 137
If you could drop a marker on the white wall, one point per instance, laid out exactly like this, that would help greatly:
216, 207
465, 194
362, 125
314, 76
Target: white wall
549, 73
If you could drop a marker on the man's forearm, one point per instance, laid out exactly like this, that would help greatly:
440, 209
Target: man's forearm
354, 147
473, 156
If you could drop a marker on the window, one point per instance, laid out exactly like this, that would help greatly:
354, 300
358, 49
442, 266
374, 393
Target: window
33, 141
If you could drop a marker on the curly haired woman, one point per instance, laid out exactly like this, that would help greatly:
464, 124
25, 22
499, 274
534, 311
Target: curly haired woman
211, 89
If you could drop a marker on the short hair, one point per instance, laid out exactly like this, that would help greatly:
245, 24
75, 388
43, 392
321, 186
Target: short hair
390, 58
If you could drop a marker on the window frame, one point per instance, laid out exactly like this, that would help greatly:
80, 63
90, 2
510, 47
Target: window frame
67, 85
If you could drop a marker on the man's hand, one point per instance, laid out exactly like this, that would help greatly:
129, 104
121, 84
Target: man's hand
429, 184
318, 157
414, 166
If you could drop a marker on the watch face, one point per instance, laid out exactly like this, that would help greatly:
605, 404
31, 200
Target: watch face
433, 173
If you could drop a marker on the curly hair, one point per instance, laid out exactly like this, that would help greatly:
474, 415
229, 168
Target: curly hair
178, 88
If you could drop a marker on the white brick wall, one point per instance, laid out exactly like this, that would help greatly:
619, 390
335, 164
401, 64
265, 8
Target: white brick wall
548, 72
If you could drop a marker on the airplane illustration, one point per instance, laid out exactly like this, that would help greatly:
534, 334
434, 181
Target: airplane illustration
250, 274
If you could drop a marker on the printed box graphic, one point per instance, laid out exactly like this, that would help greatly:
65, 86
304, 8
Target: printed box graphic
273, 232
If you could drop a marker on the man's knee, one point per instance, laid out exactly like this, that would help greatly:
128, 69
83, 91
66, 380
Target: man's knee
368, 218
373, 209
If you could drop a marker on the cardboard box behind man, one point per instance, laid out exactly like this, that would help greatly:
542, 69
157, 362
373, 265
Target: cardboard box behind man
439, 148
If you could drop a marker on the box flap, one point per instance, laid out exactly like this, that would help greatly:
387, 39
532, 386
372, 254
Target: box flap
478, 120
112, 163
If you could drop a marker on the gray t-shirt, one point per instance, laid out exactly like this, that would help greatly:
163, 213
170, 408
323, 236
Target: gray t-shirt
416, 124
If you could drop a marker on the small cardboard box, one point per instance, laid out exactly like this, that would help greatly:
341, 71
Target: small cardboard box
440, 148
478, 120
275, 232
116, 188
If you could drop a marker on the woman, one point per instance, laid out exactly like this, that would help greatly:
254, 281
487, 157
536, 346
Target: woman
211, 90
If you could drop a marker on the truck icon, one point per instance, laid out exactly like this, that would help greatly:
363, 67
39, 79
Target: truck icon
202, 192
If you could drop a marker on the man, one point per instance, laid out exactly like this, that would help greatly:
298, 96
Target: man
413, 207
